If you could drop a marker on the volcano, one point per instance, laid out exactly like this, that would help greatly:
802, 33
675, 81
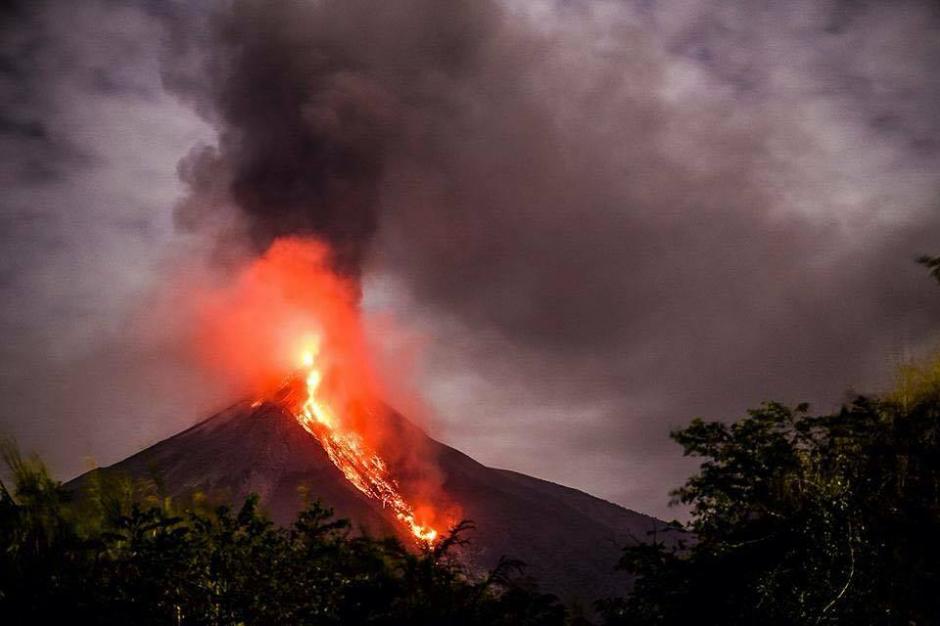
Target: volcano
569, 540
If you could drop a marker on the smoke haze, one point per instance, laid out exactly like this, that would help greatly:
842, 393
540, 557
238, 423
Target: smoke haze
603, 218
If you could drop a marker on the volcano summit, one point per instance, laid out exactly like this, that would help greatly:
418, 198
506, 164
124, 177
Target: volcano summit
569, 540
289, 329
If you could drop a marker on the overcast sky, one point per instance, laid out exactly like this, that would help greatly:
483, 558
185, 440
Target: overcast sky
597, 219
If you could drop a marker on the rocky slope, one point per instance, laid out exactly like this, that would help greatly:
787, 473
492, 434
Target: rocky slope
569, 540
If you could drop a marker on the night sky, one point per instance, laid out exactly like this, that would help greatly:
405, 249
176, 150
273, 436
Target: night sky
586, 222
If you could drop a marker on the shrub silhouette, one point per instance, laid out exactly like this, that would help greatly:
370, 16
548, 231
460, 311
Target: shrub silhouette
122, 554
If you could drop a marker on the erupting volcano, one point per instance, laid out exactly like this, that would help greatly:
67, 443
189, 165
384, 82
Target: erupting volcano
288, 332
290, 315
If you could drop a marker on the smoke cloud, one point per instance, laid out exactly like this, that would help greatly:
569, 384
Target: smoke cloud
619, 216
312, 102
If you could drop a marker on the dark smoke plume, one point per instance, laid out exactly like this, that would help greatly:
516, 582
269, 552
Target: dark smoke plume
611, 216
310, 99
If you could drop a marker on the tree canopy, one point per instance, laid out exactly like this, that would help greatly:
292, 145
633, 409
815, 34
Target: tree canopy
121, 554
804, 519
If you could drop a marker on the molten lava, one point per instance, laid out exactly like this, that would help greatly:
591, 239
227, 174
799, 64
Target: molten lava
363, 467
250, 329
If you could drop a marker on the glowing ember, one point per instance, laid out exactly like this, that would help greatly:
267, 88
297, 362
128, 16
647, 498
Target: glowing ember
363, 467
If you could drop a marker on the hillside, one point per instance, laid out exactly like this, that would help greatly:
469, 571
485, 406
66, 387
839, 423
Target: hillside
569, 540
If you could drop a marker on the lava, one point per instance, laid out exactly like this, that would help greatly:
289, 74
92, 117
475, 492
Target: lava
288, 311
361, 466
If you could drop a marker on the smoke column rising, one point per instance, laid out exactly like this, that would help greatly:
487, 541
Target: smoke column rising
312, 101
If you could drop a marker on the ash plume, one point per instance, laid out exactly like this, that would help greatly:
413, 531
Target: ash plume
620, 214
311, 100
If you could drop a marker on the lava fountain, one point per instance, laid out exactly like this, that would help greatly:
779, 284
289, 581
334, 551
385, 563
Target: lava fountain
288, 316
362, 466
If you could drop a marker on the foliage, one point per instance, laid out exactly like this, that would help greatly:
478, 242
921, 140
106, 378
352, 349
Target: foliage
801, 519
122, 554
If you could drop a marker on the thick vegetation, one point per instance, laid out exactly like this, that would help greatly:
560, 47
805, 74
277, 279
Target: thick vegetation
119, 555
801, 519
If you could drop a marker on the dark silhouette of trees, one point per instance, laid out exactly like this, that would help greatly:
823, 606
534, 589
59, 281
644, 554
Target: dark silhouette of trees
122, 554
801, 519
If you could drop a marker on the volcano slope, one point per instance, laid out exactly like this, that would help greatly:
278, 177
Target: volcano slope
570, 541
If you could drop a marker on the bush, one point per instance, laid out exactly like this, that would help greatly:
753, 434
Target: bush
802, 519
123, 555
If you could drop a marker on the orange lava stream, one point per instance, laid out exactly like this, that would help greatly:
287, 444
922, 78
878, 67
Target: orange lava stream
362, 466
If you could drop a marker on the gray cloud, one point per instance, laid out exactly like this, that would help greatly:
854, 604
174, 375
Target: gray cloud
88, 147
671, 215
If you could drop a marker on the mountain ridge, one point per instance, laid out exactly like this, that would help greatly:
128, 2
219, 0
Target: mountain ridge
570, 540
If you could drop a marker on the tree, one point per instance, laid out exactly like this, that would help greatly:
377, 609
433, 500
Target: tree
801, 519
124, 554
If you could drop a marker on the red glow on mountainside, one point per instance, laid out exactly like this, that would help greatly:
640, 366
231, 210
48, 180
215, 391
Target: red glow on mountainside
289, 317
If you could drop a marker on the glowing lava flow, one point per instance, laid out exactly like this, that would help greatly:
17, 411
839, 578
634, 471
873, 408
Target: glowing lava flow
363, 467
